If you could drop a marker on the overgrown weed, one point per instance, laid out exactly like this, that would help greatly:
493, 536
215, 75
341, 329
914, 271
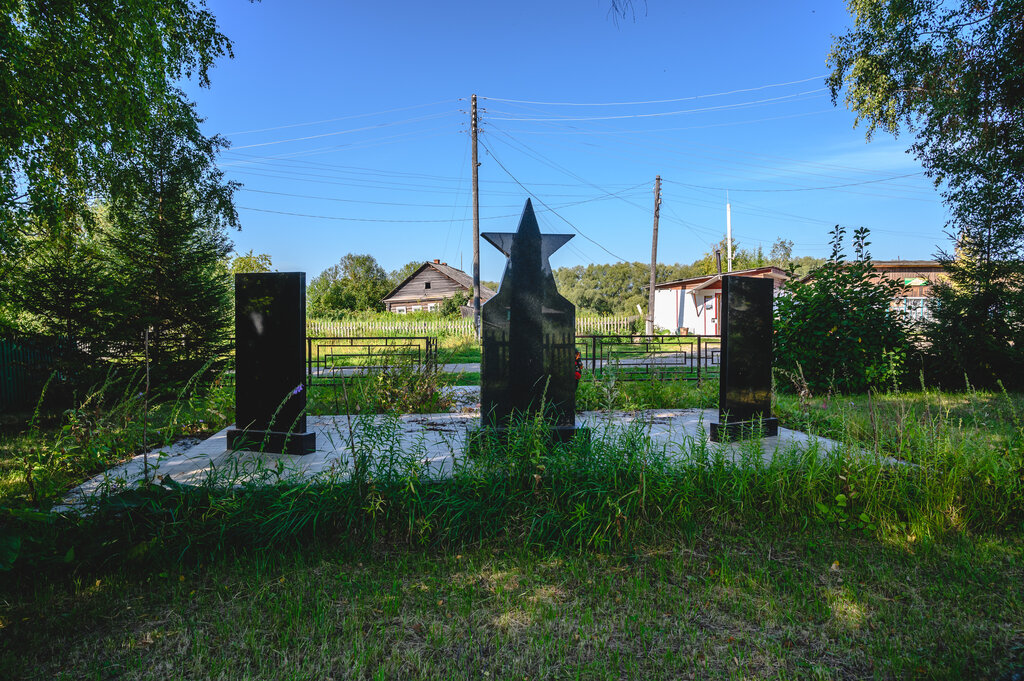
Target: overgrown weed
112, 423
607, 391
614, 491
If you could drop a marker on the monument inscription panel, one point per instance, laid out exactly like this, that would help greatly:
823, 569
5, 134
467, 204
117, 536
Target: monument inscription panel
270, 364
745, 386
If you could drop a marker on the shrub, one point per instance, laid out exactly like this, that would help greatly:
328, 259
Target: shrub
836, 329
452, 307
976, 330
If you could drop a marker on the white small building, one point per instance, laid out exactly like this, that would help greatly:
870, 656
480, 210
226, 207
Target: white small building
691, 306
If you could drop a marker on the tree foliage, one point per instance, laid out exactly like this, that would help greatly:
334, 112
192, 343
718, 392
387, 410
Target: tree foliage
81, 84
398, 276
952, 73
169, 209
150, 260
250, 262
612, 289
781, 253
356, 283
837, 329
452, 306
59, 286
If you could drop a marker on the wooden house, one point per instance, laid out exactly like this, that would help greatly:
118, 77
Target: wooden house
918, 276
425, 289
692, 306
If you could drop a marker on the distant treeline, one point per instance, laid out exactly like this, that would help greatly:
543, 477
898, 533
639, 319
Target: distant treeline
358, 282
618, 288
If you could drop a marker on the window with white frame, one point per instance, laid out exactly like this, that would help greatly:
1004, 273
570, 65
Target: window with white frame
914, 307
399, 310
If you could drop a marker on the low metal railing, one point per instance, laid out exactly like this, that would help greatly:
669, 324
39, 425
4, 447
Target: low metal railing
637, 358
329, 357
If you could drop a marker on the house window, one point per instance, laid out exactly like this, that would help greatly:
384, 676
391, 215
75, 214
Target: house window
400, 310
416, 308
426, 284
914, 307
431, 307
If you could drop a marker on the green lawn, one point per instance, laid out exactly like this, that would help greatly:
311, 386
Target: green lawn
723, 603
542, 564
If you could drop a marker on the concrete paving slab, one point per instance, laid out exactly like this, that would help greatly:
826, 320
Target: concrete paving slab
427, 444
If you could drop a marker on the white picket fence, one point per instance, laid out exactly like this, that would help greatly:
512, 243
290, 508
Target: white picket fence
432, 327
602, 325
436, 327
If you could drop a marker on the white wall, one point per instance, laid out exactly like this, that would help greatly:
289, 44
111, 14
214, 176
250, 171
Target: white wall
675, 308
701, 315
667, 314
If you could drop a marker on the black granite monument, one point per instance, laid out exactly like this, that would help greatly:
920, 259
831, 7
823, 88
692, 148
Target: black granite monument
745, 387
528, 335
270, 364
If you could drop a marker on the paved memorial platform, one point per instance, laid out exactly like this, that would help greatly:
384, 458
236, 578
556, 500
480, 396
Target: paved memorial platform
432, 441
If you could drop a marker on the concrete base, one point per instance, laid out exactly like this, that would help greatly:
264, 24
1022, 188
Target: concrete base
271, 441
731, 431
430, 446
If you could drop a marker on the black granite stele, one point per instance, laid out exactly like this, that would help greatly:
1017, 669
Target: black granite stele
270, 364
528, 336
745, 387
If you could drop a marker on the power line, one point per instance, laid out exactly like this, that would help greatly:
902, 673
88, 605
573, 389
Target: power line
800, 189
334, 148
449, 220
672, 129
541, 201
407, 205
345, 132
348, 219
458, 193
721, 107
841, 175
691, 227
657, 101
341, 118
361, 170
389, 187
538, 156
662, 150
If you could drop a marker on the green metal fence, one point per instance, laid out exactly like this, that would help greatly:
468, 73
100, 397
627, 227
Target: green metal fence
25, 363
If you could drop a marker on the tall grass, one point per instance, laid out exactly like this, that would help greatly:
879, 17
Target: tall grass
394, 385
607, 391
912, 467
614, 491
112, 423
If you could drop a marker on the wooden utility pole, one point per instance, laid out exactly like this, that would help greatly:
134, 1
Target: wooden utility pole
654, 256
476, 223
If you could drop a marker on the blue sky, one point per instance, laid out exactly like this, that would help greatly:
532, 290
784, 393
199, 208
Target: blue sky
349, 131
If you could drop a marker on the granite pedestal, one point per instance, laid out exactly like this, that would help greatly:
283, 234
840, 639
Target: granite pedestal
270, 364
745, 383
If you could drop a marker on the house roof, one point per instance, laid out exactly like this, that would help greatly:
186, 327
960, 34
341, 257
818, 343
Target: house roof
706, 280
456, 275
886, 266
906, 264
